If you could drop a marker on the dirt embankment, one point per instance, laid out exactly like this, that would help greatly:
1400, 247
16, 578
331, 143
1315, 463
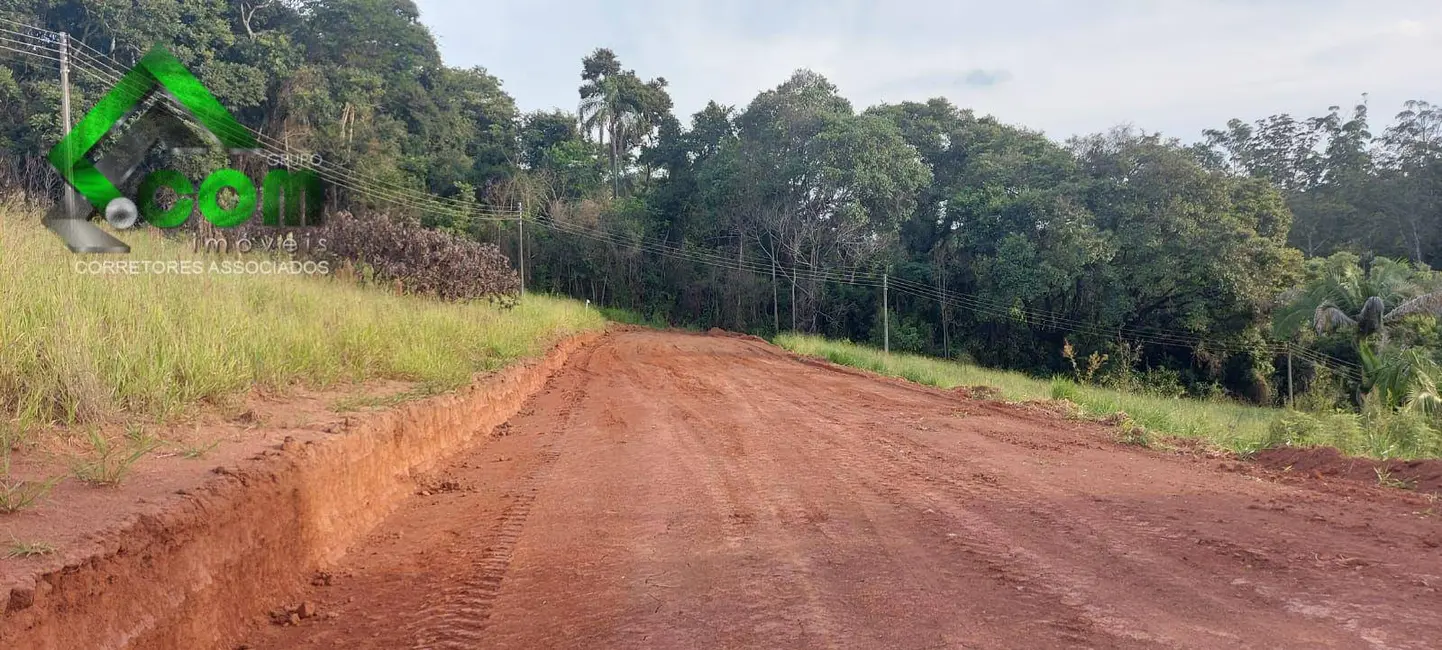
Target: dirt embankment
1325, 462
193, 566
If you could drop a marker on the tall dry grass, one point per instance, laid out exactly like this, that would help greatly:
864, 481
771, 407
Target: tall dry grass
77, 347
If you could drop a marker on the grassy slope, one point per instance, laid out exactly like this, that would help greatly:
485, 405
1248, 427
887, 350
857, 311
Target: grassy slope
77, 347
1236, 426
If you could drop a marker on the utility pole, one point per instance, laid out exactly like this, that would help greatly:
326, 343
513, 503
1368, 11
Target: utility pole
740, 264
1291, 403
885, 315
775, 311
521, 244
940, 266
945, 329
69, 195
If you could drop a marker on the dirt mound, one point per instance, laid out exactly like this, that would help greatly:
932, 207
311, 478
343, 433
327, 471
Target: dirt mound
1062, 407
1421, 475
977, 392
716, 331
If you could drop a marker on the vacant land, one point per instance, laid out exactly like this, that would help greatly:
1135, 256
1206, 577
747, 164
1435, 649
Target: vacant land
674, 490
83, 348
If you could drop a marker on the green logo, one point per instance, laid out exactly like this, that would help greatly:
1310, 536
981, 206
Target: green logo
97, 183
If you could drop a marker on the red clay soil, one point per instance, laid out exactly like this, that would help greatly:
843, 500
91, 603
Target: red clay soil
670, 490
1420, 475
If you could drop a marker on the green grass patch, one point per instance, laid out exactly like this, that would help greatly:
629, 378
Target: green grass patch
22, 549
109, 461
17, 494
629, 317
77, 347
1232, 425
1375, 432
367, 402
197, 450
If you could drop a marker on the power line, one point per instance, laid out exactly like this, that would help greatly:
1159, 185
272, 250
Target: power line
22, 39
711, 259
976, 304
86, 64
17, 51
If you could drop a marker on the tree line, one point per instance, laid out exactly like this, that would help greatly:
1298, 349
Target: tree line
1210, 249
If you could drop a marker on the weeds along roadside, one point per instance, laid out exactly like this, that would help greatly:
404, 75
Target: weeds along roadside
1375, 432
80, 348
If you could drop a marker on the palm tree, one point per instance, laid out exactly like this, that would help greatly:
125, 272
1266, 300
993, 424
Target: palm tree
609, 110
1374, 317
1401, 377
1343, 296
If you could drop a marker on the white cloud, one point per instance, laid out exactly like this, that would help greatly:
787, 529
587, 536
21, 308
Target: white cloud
1067, 67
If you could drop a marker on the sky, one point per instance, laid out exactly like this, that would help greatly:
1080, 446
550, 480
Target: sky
1059, 66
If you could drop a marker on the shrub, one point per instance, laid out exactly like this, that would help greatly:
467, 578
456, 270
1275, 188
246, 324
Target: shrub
909, 332
1293, 429
402, 253
1322, 393
1161, 382
1128, 432
1093, 363
1302, 429
22, 549
1393, 433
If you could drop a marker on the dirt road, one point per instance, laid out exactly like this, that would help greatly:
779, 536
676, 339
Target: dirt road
687, 491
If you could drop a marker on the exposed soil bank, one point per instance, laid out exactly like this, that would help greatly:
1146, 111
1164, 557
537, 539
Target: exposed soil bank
1420, 475
193, 573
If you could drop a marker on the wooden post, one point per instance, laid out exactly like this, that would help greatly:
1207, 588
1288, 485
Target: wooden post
885, 316
521, 245
740, 265
1291, 400
775, 311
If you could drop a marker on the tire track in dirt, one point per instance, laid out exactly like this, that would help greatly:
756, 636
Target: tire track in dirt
986, 533
758, 506
894, 462
457, 618
986, 536
884, 475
